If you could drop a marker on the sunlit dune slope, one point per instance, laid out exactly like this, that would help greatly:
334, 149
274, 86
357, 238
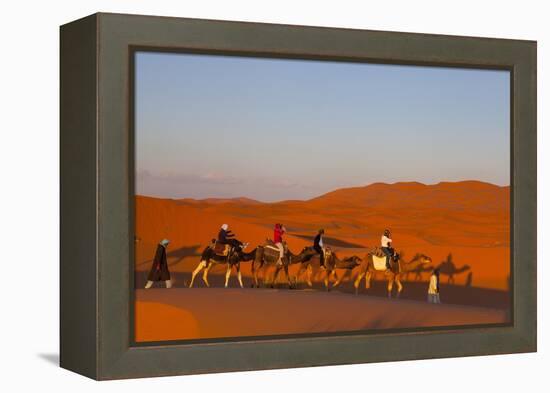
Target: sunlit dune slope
469, 219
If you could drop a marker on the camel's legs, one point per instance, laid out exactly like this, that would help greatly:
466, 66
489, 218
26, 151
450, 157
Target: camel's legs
262, 269
368, 276
266, 276
390, 286
227, 274
309, 274
205, 274
239, 276
275, 275
399, 285
339, 280
269, 276
255, 270
200, 266
254, 281
318, 274
305, 267
287, 276
300, 272
327, 279
335, 276
357, 281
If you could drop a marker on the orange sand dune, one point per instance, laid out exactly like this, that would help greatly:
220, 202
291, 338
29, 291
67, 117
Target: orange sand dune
176, 322
468, 219
171, 314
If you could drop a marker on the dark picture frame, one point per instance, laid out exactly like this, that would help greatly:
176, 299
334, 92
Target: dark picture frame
97, 172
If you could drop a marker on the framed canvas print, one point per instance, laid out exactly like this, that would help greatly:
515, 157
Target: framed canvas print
241, 196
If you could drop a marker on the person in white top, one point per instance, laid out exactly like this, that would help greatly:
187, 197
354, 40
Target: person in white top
433, 288
386, 246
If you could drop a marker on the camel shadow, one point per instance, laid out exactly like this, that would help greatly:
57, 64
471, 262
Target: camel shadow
469, 280
181, 253
176, 256
418, 273
448, 268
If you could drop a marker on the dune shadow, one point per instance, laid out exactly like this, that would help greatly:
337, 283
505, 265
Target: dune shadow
331, 241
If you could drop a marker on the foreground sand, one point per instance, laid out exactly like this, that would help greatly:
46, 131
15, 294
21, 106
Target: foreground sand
179, 313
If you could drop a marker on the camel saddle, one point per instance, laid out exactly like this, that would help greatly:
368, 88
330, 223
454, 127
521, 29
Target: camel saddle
271, 249
377, 251
379, 262
379, 259
221, 249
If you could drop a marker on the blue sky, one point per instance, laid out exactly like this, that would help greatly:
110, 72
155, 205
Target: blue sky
275, 129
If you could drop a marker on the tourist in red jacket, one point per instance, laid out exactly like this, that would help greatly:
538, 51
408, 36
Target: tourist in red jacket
278, 233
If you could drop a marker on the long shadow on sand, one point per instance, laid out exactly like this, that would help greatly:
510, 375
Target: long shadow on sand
451, 294
176, 256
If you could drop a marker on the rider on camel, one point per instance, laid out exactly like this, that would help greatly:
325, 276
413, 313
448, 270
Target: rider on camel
386, 247
225, 236
278, 233
318, 246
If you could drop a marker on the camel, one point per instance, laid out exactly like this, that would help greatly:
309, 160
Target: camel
373, 263
449, 269
267, 255
332, 262
306, 266
209, 258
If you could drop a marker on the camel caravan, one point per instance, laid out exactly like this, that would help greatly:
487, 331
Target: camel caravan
227, 250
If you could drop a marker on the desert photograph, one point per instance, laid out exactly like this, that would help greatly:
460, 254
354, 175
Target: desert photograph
282, 197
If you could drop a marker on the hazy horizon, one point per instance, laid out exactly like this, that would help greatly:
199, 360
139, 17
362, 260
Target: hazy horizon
276, 129
328, 192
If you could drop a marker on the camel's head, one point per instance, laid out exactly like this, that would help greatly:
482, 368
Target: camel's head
308, 251
355, 259
306, 254
239, 250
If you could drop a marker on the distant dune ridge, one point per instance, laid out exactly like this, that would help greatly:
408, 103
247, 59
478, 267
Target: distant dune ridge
469, 219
